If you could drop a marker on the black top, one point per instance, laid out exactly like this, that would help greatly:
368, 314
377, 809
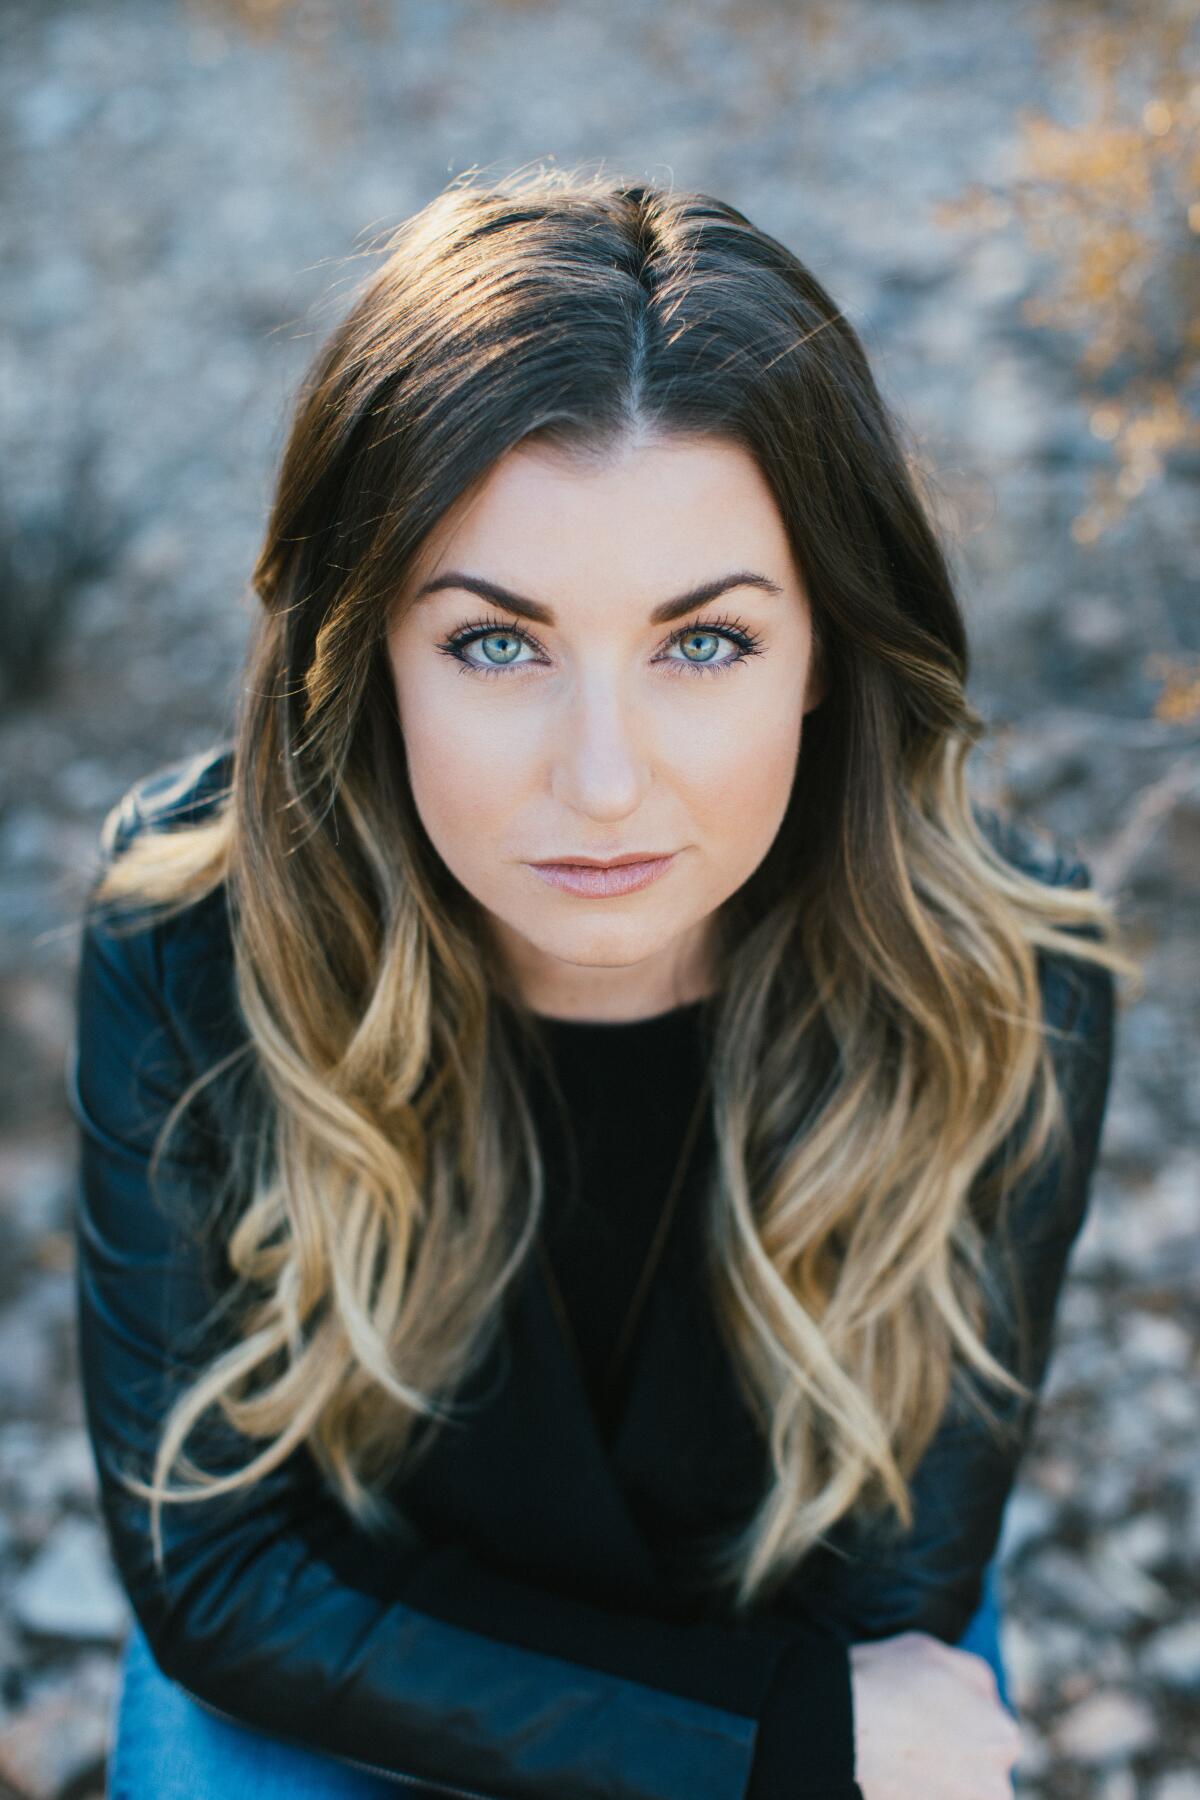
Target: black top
629, 1089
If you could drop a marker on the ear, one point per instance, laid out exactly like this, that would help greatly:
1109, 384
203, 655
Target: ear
817, 684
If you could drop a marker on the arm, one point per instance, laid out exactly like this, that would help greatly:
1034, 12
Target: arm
277, 1610
931, 1579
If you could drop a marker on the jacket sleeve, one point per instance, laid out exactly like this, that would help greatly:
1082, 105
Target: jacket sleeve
278, 1611
930, 1578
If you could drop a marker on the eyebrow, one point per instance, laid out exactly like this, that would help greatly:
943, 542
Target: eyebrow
662, 614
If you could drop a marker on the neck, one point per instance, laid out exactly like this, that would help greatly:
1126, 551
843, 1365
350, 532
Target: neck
554, 988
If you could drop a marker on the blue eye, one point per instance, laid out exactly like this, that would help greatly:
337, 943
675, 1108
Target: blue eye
510, 639
705, 662
510, 643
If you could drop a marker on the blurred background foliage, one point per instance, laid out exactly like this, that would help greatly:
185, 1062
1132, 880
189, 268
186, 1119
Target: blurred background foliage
1006, 203
1111, 202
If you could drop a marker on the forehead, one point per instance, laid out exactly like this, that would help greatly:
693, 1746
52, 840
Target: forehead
652, 519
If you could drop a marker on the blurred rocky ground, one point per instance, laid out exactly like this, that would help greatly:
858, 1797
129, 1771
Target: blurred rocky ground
187, 191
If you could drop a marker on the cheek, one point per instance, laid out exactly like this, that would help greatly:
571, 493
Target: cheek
740, 772
464, 782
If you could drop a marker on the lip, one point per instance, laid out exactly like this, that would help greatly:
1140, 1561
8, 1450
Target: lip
600, 880
602, 862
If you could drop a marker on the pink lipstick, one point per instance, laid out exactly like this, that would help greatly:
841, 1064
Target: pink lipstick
597, 881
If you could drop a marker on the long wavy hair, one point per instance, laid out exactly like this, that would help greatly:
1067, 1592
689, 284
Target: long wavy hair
878, 1033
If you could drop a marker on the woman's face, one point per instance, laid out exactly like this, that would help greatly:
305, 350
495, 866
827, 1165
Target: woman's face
560, 697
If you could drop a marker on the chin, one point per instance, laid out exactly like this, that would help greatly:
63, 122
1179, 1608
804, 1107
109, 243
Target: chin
601, 949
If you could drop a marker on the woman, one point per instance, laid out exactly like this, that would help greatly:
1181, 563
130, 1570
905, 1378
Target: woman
596, 1311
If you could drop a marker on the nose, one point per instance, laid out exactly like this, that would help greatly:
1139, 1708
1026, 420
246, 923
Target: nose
600, 764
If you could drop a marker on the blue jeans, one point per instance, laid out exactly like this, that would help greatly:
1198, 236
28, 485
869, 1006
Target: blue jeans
983, 1633
165, 1746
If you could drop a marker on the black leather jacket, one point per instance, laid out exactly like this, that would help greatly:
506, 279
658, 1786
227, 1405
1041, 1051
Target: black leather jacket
527, 1641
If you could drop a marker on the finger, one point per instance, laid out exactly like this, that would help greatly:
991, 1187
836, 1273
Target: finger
1013, 1741
979, 1671
1004, 1743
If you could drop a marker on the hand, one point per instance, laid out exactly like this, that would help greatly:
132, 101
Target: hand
929, 1723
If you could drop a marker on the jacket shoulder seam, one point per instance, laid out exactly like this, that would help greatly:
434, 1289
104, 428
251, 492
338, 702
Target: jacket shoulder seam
180, 792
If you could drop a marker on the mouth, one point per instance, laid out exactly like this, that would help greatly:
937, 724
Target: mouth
599, 880
603, 862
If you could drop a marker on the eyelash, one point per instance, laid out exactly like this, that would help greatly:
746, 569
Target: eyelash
747, 642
